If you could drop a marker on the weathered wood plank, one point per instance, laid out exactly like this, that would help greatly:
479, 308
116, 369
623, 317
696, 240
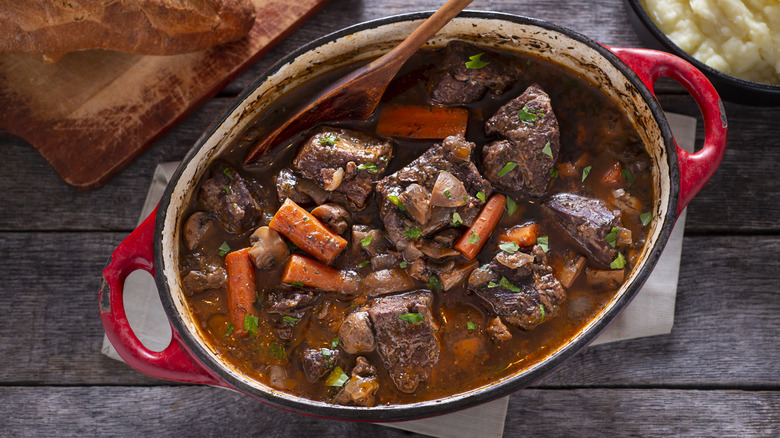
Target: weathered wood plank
202, 411
52, 334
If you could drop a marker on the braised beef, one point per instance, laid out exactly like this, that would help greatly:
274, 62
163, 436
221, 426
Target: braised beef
588, 221
290, 302
357, 333
406, 337
203, 272
455, 83
345, 161
316, 362
233, 200
530, 138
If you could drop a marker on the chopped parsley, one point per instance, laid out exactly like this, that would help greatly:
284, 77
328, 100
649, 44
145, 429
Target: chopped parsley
542, 311
511, 206
547, 149
646, 218
403, 265
434, 283
224, 249
305, 219
627, 175
227, 190
413, 318
492, 284
296, 283
290, 320
471, 326
337, 377
363, 264
456, 219
475, 63
334, 343
619, 262
365, 241
543, 242
510, 247
553, 172
413, 232
394, 199
229, 329
328, 139
368, 166
227, 172
508, 167
473, 238
611, 238
278, 351
326, 352
447, 194
250, 324
506, 284
525, 115
586, 172
481, 196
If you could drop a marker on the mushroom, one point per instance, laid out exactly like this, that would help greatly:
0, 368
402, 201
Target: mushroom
435, 250
334, 216
196, 227
373, 241
415, 200
457, 273
448, 191
356, 333
268, 248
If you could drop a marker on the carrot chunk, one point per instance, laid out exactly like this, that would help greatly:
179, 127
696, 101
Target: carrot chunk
422, 122
240, 289
523, 235
304, 271
478, 234
307, 232
612, 177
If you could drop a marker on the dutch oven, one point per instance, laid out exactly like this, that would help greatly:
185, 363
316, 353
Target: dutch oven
627, 75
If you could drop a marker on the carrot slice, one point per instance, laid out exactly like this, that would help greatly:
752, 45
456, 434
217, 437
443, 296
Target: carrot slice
523, 235
612, 177
478, 234
307, 232
240, 289
422, 122
304, 271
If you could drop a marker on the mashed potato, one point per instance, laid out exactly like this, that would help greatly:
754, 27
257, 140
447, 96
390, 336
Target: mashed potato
738, 37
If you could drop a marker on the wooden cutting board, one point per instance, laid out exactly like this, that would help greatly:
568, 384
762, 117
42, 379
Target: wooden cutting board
91, 113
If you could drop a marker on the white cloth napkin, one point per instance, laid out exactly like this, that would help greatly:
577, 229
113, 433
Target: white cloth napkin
650, 313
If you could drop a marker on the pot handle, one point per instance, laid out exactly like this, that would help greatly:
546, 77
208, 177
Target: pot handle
174, 362
695, 168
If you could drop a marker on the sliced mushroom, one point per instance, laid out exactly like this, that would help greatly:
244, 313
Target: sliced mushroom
480, 276
334, 216
436, 251
514, 261
447, 237
387, 281
357, 334
372, 240
448, 191
196, 227
416, 201
572, 267
456, 274
389, 260
268, 248
605, 277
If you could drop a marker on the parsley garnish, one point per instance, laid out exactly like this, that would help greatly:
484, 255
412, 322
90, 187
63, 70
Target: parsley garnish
471, 326
413, 318
473, 238
368, 166
278, 351
541, 309
481, 196
456, 219
413, 232
547, 149
394, 199
492, 284
403, 265
227, 190
224, 249
227, 172
337, 377
511, 206
646, 218
366, 241
627, 175
296, 283
619, 262
507, 285
250, 324
326, 352
475, 63
508, 167
328, 139
543, 242
525, 115
447, 194
334, 343
434, 283
586, 172
611, 238
553, 172
291, 320
229, 329
363, 264
510, 247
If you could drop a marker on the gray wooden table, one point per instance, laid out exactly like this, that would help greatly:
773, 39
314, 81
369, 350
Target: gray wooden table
716, 374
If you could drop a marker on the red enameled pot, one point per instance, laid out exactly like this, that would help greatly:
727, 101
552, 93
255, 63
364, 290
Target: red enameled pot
627, 75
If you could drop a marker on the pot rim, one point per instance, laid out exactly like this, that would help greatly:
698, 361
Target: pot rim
475, 396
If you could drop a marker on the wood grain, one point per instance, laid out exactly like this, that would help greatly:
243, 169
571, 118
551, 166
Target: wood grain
94, 111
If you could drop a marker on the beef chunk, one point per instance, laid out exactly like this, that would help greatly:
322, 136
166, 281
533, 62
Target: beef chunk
316, 362
290, 303
498, 331
454, 83
453, 155
526, 125
523, 297
409, 349
203, 273
234, 201
363, 368
345, 161
588, 221
357, 334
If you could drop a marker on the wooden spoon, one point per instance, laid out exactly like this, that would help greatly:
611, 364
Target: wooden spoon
356, 95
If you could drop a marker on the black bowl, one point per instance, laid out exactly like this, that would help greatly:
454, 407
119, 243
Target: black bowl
729, 88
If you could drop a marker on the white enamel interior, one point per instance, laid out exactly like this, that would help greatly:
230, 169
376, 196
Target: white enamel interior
367, 44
